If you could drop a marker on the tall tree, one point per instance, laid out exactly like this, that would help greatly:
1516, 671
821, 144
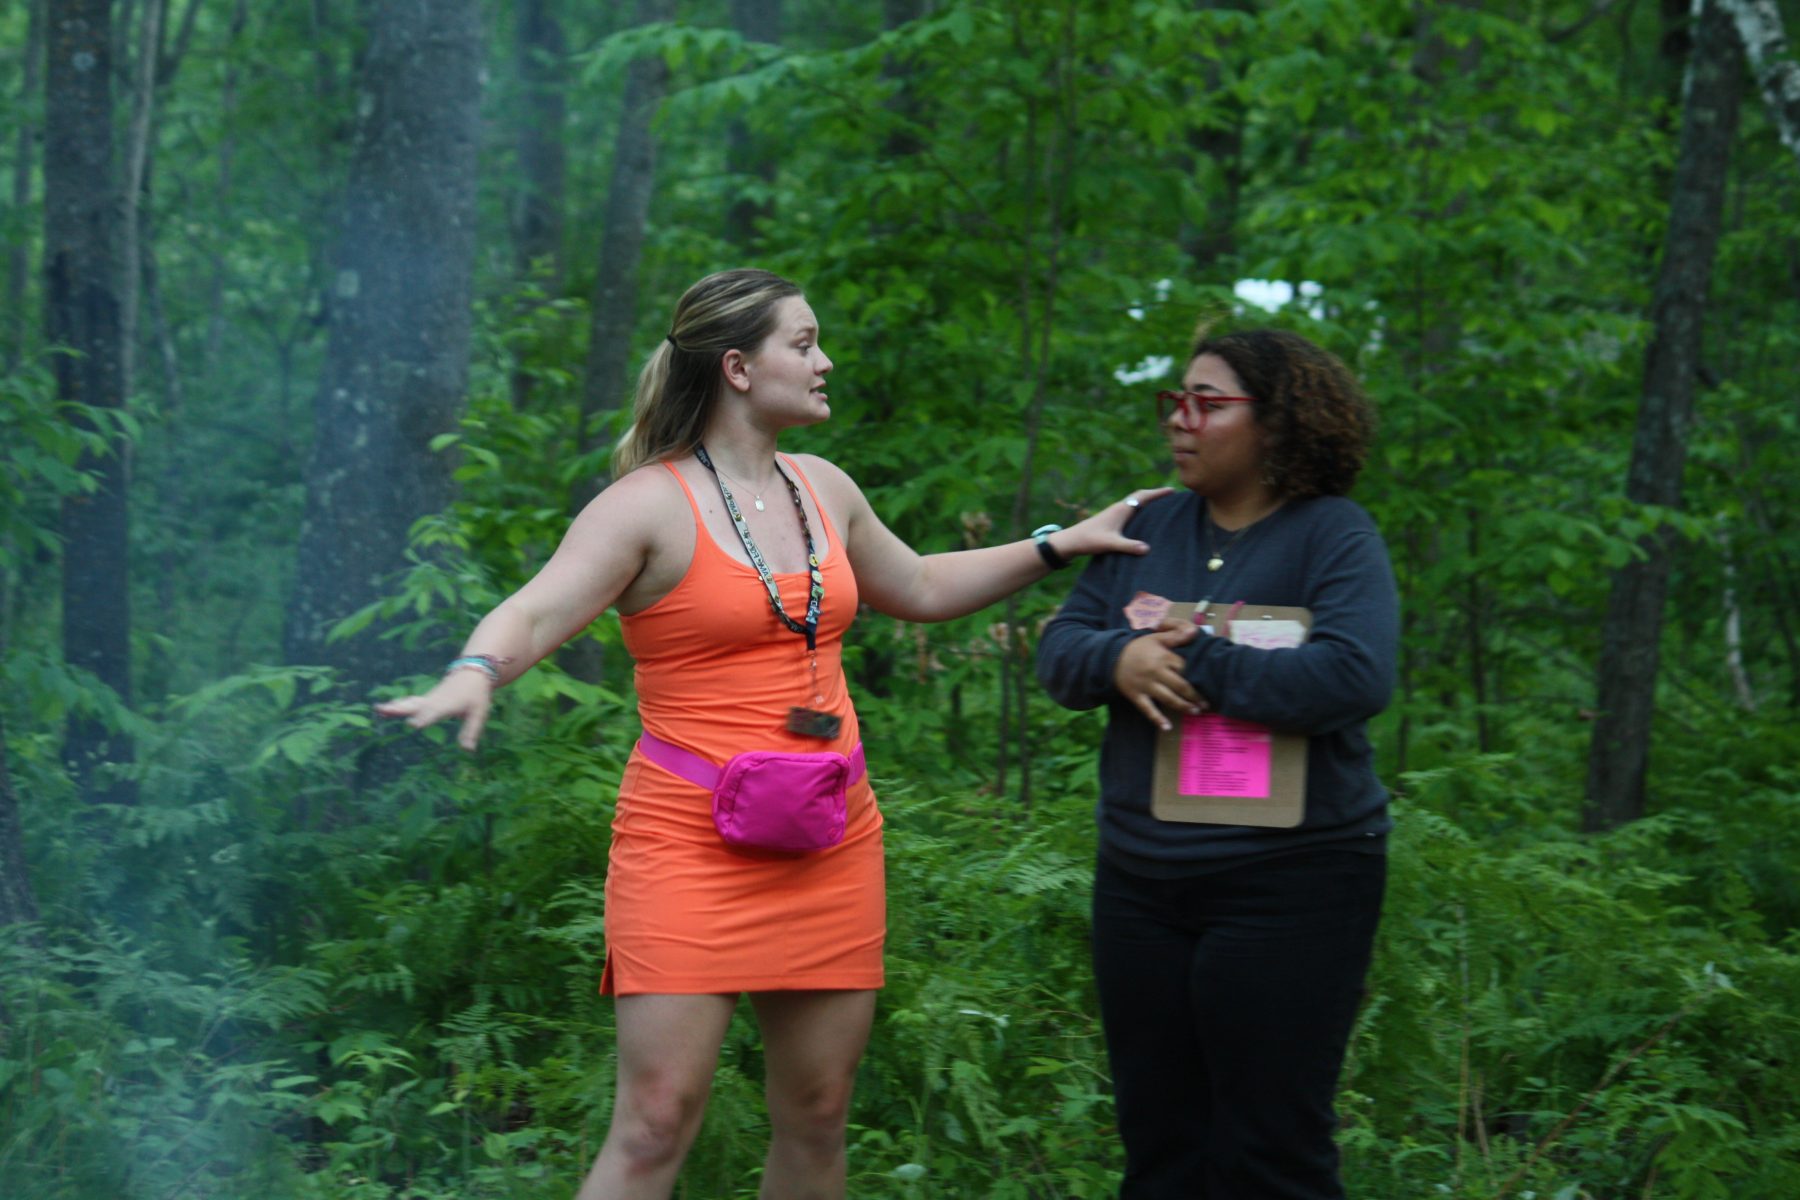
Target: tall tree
542, 52
399, 317
1619, 753
1758, 23
615, 296
17, 902
82, 315
140, 133
18, 255
1219, 144
613, 307
756, 21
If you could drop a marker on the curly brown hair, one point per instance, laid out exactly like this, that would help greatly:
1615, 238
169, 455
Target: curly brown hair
1317, 422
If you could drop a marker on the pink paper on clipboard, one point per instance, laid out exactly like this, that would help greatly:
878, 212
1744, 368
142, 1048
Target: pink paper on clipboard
1213, 770
1221, 756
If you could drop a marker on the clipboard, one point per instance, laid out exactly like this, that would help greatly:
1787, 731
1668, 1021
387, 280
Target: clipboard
1215, 770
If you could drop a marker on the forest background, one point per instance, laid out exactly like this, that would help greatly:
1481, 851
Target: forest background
317, 321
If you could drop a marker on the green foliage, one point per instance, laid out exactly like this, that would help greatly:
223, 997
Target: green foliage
274, 975
1546, 1012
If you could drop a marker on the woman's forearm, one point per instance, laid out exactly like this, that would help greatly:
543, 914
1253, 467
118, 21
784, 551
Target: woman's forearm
958, 582
512, 640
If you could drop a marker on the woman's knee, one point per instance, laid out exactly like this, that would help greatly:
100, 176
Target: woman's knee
656, 1118
813, 1113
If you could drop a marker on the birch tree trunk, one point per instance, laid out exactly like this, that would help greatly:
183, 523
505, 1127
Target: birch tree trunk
397, 358
1758, 24
1618, 755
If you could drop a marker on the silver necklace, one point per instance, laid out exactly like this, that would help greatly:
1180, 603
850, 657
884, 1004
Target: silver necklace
756, 495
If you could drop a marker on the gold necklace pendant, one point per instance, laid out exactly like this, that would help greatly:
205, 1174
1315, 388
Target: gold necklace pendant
1215, 555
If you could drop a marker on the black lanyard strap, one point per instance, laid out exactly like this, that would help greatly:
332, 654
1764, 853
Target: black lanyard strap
817, 595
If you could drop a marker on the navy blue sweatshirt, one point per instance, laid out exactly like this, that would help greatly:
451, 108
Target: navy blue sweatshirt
1324, 554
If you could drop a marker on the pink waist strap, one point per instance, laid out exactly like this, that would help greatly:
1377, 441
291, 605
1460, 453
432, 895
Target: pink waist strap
697, 770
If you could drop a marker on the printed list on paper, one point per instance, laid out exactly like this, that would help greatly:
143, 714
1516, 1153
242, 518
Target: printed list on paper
1222, 756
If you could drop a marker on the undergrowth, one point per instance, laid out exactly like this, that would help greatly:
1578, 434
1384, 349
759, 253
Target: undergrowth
261, 980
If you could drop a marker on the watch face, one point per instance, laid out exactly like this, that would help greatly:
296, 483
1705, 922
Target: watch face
1043, 531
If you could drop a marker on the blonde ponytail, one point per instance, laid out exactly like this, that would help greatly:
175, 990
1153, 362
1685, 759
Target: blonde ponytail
637, 445
676, 390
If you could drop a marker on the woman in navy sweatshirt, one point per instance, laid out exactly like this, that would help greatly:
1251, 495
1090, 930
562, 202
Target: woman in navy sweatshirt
1230, 959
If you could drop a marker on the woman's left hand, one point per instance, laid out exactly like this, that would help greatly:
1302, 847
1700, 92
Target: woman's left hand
1103, 533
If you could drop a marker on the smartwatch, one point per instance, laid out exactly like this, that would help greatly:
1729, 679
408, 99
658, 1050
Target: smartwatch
1047, 552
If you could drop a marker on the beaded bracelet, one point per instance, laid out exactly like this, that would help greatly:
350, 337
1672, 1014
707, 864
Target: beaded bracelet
488, 664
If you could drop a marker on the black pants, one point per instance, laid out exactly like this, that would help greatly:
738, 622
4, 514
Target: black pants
1228, 1000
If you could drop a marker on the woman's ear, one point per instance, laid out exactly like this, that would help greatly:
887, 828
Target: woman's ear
736, 368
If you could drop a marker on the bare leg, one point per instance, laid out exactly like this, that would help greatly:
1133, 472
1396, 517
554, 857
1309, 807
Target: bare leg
812, 1042
668, 1048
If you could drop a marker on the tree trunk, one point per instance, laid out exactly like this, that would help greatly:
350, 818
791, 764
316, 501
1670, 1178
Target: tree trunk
756, 21
615, 297
541, 54
1734, 628
613, 312
543, 159
397, 358
81, 313
17, 903
225, 185
1214, 239
1758, 24
1047, 145
1619, 753
137, 173
18, 257
904, 100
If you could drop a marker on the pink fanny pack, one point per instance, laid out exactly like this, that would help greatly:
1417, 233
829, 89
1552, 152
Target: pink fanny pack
769, 799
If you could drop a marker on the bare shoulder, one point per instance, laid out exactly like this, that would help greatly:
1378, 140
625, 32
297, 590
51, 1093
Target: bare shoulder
833, 482
651, 483
635, 504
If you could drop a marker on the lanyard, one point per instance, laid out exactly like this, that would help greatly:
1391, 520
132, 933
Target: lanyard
817, 595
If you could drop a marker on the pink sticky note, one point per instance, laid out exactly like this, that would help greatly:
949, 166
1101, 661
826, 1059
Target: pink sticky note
1146, 610
1222, 756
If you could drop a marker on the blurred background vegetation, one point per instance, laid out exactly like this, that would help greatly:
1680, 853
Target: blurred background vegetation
318, 318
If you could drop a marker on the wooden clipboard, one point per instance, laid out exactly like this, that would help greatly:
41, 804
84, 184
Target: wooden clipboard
1242, 773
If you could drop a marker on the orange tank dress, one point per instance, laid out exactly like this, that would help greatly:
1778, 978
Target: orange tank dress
716, 675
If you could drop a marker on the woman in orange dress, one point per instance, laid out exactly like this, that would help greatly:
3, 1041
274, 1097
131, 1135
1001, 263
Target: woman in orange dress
736, 570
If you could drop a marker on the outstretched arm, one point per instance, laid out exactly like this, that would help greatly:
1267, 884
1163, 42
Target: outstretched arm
606, 548
894, 579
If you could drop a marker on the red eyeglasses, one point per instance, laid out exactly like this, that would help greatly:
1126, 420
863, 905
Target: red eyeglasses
1192, 407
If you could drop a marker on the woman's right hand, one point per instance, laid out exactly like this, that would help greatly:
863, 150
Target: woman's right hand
1104, 531
1151, 675
466, 695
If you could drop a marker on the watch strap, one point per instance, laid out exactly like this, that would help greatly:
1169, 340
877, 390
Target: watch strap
1041, 538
